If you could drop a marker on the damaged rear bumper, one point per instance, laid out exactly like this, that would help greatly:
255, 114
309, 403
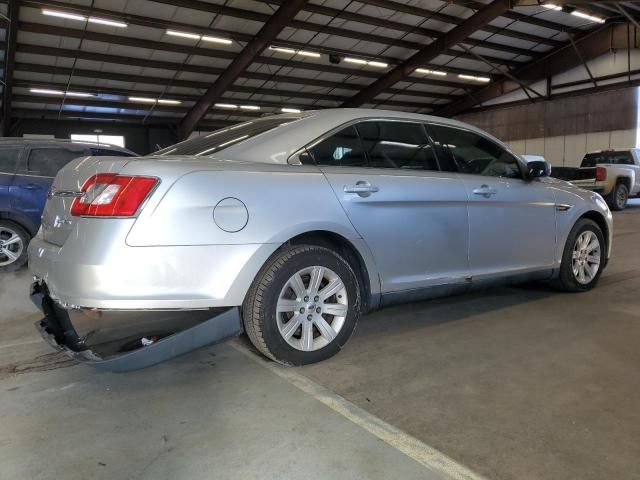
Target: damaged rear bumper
120, 341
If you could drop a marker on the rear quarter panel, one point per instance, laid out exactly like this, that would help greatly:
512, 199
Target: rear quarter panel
282, 201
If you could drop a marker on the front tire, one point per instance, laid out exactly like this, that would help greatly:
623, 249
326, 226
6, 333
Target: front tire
583, 258
13, 246
619, 197
303, 306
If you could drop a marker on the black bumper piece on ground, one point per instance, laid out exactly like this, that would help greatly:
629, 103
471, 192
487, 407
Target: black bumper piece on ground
130, 350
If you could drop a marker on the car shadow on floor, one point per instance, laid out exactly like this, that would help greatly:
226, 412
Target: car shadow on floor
451, 309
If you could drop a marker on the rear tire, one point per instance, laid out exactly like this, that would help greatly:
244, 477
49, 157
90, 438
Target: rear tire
13, 246
303, 305
619, 197
583, 258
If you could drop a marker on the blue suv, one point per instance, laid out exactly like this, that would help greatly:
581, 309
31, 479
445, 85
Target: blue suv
27, 169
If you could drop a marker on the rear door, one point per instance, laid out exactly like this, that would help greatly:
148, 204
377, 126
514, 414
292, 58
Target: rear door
412, 216
9, 157
512, 221
35, 174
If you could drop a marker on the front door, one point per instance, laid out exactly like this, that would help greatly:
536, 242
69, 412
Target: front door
512, 221
412, 216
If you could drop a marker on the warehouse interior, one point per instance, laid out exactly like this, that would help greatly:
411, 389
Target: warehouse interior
513, 382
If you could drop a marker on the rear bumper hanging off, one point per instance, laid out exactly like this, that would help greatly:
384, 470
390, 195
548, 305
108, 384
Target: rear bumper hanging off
120, 341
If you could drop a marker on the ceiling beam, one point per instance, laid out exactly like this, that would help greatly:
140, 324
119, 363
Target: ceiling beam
9, 60
404, 27
431, 51
591, 44
323, 28
201, 86
226, 54
206, 70
395, 6
269, 31
113, 117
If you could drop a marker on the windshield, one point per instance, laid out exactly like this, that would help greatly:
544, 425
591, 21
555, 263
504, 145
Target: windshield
615, 158
220, 139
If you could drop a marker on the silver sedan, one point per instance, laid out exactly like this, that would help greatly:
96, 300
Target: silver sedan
290, 227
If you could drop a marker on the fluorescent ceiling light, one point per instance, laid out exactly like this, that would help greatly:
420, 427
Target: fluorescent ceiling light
249, 107
79, 94
104, 21
586, 16
142, 99
474, 78
208, 38
289, 110
183, 34
82, 18
371, 63
195, 36
48, 91
225, 105
282, 49
438, 73
552, 6
155, 100
292, 51
68, 16
308, 54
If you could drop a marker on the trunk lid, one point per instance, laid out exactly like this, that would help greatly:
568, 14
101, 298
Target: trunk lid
57, 222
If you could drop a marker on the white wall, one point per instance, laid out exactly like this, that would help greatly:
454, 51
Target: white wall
568, 150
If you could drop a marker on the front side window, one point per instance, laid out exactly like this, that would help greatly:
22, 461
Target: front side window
397, 145
474, 154
9, 159
46, 162
342, 149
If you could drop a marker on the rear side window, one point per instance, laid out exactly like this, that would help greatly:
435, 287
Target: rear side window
615, 158
47, 162
342, 149
226, 137
474, 154
397, 145
9, 159
103, 152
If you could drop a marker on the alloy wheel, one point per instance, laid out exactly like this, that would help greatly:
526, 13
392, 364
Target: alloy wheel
586, 257
312, 308
11, 246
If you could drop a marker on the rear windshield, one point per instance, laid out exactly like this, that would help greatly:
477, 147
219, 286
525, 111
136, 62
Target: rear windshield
224, 138
615, 158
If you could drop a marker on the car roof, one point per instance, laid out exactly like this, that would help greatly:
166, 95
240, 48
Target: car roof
57, 141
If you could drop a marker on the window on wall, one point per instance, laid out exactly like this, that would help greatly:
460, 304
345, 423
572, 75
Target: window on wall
117, 140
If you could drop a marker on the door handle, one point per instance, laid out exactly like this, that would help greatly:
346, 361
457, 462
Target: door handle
485, 191
364, 189
31, 186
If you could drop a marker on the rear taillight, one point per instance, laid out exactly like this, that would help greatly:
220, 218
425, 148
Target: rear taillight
601, 174
111, 195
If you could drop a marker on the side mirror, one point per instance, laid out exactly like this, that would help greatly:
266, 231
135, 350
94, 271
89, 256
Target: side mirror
538, 169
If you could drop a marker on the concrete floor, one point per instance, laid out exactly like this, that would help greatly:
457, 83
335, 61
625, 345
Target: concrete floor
513, 383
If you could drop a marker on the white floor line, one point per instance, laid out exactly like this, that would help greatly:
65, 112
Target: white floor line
20, 344
412, 447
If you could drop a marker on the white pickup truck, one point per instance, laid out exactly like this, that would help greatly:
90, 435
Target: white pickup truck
614, 174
